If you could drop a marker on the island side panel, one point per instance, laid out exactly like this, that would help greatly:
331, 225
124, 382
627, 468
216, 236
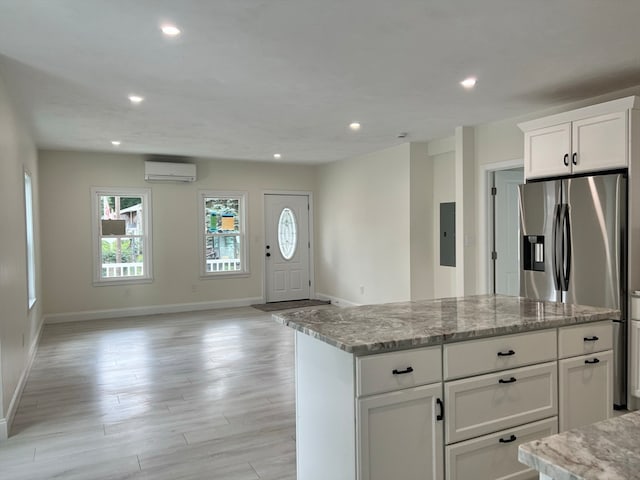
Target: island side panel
325, 411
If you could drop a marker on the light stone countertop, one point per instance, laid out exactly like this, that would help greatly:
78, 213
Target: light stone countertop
397, 326
605, 450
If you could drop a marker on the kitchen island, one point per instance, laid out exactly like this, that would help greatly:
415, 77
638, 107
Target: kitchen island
399, 390
605, 450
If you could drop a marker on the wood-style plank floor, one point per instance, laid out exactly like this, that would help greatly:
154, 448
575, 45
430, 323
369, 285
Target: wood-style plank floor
203, 395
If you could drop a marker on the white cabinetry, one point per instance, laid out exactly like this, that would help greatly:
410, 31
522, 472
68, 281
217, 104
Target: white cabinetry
400, 436
586, 381
635, 358
489, 415
400, 432
589, 139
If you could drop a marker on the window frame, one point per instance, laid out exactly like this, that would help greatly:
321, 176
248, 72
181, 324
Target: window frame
30, 246
145, 193
243, 198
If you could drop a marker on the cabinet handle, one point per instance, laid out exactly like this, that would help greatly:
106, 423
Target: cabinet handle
592, 361
591, 339
402, 372
506, 354
511, 380
512, 438
440, 416
566, 159
574, 158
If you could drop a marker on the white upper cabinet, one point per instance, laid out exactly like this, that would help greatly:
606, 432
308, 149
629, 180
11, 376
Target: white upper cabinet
589, 139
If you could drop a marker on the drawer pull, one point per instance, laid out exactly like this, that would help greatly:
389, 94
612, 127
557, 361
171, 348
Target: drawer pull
511, 380
591, 339
506, 354
402, 372
592, 361
440, 416
512, 438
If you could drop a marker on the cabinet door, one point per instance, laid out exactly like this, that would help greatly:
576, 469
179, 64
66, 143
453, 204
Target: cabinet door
635, 359
586, 389
545, 150
600, 143
399, 436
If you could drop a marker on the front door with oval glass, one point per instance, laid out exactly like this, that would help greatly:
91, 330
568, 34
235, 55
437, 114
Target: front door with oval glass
287, 247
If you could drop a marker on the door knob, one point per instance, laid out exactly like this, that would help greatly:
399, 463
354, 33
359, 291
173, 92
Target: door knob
268, 254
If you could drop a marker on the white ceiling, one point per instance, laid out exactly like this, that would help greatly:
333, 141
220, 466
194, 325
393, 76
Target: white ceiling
248, 78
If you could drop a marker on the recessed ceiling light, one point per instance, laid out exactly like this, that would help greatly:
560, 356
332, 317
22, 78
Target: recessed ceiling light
469, 83
354, 126
136, 98
277, 156
170, 30
115, 143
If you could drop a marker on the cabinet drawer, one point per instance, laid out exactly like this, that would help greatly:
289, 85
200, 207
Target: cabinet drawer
386, 372
498, 353
488, 458
488, 403
585, 339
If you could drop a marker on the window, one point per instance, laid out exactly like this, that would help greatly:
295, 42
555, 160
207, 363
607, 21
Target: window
223, 246
122, 235
31, 247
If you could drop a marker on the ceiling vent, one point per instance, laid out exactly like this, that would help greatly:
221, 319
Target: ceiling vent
169, 172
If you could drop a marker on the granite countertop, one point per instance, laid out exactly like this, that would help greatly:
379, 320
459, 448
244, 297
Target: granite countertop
397, 326
605, 450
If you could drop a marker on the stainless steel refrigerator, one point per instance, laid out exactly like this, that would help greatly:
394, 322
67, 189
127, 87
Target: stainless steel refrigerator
574, 249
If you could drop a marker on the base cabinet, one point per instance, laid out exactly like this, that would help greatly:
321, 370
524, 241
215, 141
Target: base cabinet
401, 435
495, 456
585, 389
635, 358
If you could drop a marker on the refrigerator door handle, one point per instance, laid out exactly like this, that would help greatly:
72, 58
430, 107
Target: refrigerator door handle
557, 254
566, 247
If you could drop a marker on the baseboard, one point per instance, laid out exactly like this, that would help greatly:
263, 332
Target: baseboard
5, 423
338, 302
148, 310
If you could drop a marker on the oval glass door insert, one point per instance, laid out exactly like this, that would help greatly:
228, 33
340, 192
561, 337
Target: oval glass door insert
287, 233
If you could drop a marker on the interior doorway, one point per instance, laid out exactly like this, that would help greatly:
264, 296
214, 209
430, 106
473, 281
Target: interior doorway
287, 247
505, 230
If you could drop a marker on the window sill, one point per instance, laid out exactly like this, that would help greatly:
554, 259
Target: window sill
212, 276
122, 281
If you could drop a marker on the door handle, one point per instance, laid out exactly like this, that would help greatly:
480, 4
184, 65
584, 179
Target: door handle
556, 244
574, 158
511, 380
440, 416
565, 160
512, 438
506, 354
402, 372
591, 339
592, 361
566, 247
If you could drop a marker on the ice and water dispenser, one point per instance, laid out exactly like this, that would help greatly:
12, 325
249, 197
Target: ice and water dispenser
533, 252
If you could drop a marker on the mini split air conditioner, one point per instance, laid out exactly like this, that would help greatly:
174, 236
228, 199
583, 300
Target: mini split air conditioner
169, 172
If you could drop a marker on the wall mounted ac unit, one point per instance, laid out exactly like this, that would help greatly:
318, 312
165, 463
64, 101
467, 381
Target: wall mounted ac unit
169, 172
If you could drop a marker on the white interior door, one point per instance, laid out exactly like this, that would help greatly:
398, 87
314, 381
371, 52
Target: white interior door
506, 231
287, 247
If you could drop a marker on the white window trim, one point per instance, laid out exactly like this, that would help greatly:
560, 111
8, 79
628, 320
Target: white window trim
30, 238
243, 196
145, 193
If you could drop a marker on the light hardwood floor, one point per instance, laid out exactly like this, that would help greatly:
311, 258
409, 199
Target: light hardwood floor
205, 395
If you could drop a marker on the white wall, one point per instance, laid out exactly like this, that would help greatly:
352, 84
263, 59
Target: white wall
66, 181
19, 326
444, 191
421, 223
363, 227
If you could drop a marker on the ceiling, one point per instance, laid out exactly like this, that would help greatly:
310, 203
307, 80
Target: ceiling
249, 78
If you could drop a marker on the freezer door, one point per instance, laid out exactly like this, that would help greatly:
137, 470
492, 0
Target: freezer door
537, 204
597, 216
